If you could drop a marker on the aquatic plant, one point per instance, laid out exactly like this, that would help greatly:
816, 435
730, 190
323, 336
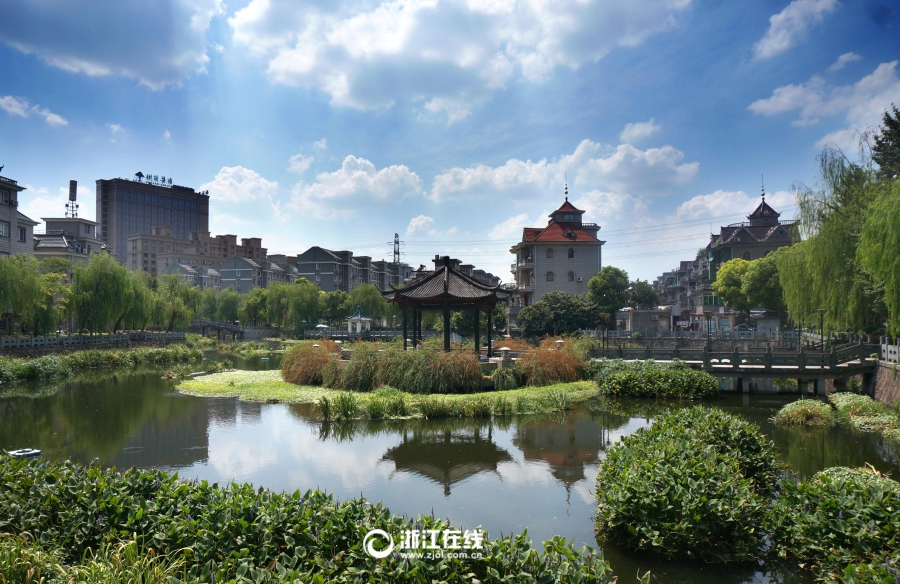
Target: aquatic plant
864, 413
252, 535
600, 370
693, 485
304, 363
805, 412
661, 383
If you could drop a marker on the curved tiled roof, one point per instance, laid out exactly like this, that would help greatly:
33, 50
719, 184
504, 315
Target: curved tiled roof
558, 232
445, 283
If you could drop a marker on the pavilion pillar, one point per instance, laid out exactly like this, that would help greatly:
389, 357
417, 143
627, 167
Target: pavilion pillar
490, 351
419, 326
446, 326
477, 330
404, 329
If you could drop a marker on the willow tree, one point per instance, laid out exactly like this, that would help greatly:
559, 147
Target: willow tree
179, 301
822, 271
20, 289
101, 292
879, 250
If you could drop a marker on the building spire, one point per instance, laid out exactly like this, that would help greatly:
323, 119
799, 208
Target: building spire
762, 180
567, 185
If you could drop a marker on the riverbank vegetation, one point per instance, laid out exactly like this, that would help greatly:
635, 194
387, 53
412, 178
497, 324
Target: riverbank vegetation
387, 402
62, 366
805, 412
240, 533
864, 413
650, 378
704, 484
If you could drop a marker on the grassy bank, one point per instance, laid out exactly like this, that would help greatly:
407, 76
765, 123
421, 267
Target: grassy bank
239, 533
267, 386
62, 366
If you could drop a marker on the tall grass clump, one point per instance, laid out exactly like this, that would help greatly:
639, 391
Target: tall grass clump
551, 366
805, 412
693, 485
429, 372
305, 364
844, 521
508, 377
864, 413
359, 374
238, 532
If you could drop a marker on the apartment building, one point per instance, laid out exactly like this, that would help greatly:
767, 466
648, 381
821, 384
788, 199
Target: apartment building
71, 238
160, 248
16, 230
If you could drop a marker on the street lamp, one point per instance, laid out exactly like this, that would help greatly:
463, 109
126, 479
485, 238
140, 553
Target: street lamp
708, 315
821, 312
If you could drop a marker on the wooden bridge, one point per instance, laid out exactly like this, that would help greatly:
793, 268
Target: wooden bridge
803, 364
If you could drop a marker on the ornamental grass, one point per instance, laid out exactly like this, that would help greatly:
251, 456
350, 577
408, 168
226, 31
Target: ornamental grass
304, 363
805, 412
551, 366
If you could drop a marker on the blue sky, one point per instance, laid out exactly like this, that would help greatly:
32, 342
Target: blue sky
453, 123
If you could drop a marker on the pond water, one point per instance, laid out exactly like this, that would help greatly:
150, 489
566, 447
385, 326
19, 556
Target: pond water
534, 472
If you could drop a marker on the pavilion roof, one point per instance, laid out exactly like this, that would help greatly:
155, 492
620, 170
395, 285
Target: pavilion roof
443, 284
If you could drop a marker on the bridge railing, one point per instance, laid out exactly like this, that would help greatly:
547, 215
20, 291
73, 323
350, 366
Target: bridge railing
82, 340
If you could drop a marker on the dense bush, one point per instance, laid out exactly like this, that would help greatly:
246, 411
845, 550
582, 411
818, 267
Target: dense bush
691, 486
510, 376
551, 366
251, 535
845, 521
305, 363
805, 412
672, 379
61, 366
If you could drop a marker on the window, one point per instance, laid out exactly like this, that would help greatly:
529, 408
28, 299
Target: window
22, 234
571, 276
746, 255
549, 253
571, 253
550, 276
4, 229
4, 197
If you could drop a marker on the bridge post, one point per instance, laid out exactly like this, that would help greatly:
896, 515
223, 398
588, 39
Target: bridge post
833, 360
706, 361
801, 359
735, 359
801, 385
816, 387
677, 352
767, 362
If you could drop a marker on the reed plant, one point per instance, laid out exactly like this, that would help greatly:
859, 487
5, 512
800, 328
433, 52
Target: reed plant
805, 412
304, 363
551, 366
864, 413
508, 377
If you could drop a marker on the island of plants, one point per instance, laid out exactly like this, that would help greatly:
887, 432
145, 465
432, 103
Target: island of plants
856, 410
65, 521
380, 383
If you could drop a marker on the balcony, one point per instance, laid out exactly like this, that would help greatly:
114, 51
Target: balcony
526, 286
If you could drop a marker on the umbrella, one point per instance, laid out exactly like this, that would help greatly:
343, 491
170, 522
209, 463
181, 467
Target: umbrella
321, 326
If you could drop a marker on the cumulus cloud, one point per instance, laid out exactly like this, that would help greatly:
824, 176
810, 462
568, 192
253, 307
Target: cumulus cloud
236, 184
721, 203
790, 25
44, 202
18, 106
299, 163
863, 102
447, 55
157, 42
622, 169
843, 60
115, 129
338, 193
420, 224
321, 144
638, 131
511, 229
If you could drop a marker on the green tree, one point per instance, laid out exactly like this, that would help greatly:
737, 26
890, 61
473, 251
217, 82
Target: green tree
101, 293
729, 282
886, 151
559, 313
255, 307
55, 266
463, 322
305, 304
879, 250
20, 289
642, 295
761, 285
609, 291
229, 303
210, 303
334, 306
369, 299
144, 307
179, 301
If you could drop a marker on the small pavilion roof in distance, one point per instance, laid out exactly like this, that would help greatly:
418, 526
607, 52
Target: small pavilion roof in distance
358, 315
446, 285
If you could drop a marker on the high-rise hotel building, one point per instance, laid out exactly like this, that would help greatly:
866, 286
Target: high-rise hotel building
130, 207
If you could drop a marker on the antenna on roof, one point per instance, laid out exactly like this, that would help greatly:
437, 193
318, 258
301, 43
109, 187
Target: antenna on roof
566, 176
762, 180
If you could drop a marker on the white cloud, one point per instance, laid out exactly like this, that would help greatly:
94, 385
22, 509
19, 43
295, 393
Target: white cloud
236, 184
14, 105
420, 224
157, 42
18, 106
299, 163
42, 202
338, 193
218, 48
167, 136
622, 169
843, 60
115, 129
511, 229
446, 55
789, 25
321, 144
863, 102
638, 131
721, 203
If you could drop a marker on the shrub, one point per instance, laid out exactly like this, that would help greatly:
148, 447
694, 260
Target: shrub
600, 370
305, 364
509, 377
843, 520
548, 367
805, 412
691, 486
661, 383
240, 532
359, 374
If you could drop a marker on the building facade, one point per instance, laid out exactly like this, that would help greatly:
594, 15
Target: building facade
242, 274
160, 248
71, 238
134, 207
563, 256
16, 230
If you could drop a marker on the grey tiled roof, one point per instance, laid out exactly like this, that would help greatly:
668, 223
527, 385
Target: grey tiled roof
446, 283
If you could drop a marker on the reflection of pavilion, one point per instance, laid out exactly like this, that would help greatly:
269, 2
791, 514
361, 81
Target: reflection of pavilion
447, 456
565, 445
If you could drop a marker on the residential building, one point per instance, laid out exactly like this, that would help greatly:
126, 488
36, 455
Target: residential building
242, 274
160, 248
563, 256
16, 230
134, 207
71, 238
203, 277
